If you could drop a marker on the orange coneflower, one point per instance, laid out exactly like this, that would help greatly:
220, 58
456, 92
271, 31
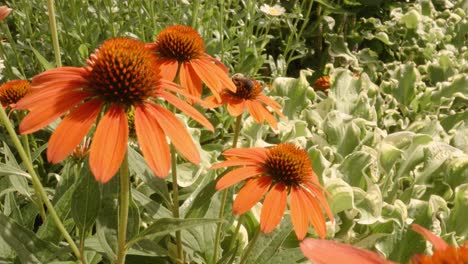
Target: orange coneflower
4, 11
443, 252
247, 96
281, 170
181, 47
331, 252
322, 84
120, 77
11, 92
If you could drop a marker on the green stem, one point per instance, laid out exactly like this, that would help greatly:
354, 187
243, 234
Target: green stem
224, 194
240, 221
196, 8
37, 183
123, 210
175, 200
53, 30
250, 247
13, 46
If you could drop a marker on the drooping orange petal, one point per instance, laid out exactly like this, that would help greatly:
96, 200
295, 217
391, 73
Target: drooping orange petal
298, 213
314, 213
236, 107
63, 74
190, 80
318, 194
4, 11
271, 103
109, 144
437, 242
254, 110
257, 154
168, 68
238, 175
208, 74
268, 116
220, 68
186, 108
273, 207
235, 162
250, 194
327, 252
71, 130
178, 134
212, 102
152, 142
41, 115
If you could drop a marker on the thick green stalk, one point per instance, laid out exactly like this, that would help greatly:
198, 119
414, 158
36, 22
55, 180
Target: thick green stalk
123, 210
53, 30
175, 201
225, 193
250, 247
37, 183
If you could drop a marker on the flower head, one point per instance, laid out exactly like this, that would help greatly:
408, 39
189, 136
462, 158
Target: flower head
181, 49
248, 96
281, 170
443, 252
11, 92
275, 10
322, 84
4, 11
120, 77
331, 252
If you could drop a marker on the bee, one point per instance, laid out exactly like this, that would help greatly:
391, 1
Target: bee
242, 81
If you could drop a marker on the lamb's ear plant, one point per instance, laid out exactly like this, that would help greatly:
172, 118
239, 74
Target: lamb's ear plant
271, 117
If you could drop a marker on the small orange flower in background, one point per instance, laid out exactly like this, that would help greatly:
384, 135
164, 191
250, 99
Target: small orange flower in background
121, 76
443, 252
331, 252
4, 11
11, 92
322, 84
181, 46
249, 97
281, 170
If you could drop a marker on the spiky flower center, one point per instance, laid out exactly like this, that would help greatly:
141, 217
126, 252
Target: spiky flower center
449, 255
288, 164
179, 42
11, 92
123, 71
246, 88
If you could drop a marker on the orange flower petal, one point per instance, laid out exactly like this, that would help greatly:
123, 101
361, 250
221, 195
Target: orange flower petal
71, 130
62, 73
238, 175
236, 108
42, 114
152, 141
318, 194
437, 242
250, 194
186, 108
168, 68
257, 154
235, 162
299, 213
212, 102
271, 103
190, 80
210, 75
314, 212
254, 110
109, 144
273, 208
326, 251
4, 11
178, 134
220, 68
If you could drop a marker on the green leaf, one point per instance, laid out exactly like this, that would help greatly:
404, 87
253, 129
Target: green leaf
457, 88
165, 226
411, 19
458, 220
342, 196
407, 75
290, 255
28, 247
339, 48
43, 61
268, 245
86, 200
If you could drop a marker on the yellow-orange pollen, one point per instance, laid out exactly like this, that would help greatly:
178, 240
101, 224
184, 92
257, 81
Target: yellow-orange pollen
179, 42
288, 164
11, 92
449, 255
123, 71
246, 88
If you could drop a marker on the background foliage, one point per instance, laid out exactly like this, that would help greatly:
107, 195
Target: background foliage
389, 138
